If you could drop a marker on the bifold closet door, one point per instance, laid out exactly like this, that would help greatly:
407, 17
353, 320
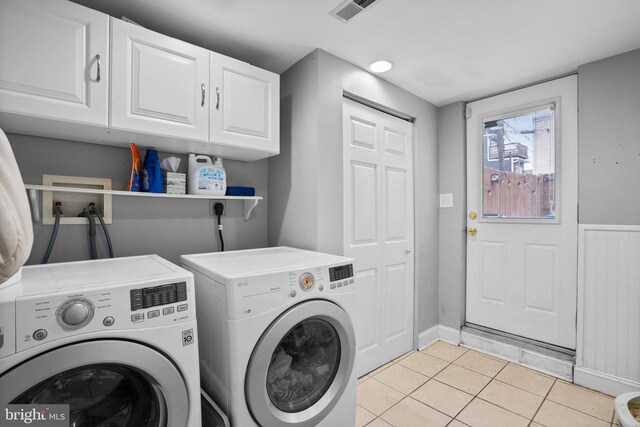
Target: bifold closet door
379, 230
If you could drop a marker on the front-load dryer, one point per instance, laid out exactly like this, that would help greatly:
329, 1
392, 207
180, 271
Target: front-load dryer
277, 340
115, 339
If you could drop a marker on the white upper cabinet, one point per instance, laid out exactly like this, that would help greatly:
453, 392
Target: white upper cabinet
70, 72
54, 61
159, 85
245, 106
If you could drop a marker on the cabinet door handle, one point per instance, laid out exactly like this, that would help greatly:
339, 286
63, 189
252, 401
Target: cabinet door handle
202, 88
98, 68
217, 98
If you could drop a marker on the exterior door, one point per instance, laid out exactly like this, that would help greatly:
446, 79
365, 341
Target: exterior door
54, 61
522, 222
301, 366
159, 84
245, 105
107, 382
378, 229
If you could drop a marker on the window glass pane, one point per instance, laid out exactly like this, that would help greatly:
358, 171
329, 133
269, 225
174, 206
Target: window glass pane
99, 396
303, 365
520, 165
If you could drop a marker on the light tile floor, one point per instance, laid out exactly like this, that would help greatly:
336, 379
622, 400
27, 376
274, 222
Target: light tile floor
447, 385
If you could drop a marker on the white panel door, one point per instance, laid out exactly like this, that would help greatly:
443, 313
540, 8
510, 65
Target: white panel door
522, 198
378, 224
54, 61
245, 105
159, 84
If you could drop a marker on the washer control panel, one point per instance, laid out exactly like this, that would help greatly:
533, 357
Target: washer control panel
158, 295
44, 318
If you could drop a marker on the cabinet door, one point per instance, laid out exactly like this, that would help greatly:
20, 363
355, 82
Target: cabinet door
54, 61
245, 105
159, 84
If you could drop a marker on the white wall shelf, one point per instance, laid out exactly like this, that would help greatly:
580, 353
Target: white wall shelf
250, 202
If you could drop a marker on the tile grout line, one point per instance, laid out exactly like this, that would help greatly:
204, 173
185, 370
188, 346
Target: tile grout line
429, 406
543, 400
521, 389
455, 388
409, 396
459, 389
371, 377
476, 395
574, 409
524, 389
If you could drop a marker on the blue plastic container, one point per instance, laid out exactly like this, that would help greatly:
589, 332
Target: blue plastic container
151, 172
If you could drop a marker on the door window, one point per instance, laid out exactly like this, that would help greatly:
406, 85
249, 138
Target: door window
99, 396
303, 365
519, 165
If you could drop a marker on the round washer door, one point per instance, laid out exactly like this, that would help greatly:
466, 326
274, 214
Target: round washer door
105, 382
301, 365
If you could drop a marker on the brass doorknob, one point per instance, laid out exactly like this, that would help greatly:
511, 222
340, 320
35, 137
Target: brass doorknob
472, 230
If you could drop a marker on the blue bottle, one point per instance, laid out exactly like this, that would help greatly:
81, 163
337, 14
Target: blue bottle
151, 173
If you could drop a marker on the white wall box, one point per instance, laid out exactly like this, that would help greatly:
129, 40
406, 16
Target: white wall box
245, 106
73, 203
159, 84
54, 62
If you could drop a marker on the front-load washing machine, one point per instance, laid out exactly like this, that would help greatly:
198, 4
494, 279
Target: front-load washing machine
277, 340
114, 339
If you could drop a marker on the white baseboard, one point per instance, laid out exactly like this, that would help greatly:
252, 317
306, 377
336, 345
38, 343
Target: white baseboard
450, 335
438, 333
602, 382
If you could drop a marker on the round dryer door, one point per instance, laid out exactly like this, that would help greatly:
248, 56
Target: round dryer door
301, 365
106, 382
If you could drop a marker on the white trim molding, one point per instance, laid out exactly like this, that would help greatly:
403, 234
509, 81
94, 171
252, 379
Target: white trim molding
608, 342
602, 382
438, 333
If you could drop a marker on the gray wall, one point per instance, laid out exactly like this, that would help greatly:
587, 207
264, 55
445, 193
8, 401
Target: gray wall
609, 138
167, 227
452, 242
293, 201
305, 184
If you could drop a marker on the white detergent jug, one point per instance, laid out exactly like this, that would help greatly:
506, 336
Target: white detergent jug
206, 177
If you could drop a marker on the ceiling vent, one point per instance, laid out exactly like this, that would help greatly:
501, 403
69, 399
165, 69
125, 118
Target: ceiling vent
350, 9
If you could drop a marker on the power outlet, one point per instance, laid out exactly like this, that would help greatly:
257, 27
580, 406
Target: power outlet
212, 212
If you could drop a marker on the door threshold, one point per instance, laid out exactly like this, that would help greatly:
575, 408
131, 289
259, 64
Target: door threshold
543, 357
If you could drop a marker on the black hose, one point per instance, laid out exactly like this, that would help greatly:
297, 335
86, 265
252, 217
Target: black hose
104, 228
54, 234
92, 233
220, 233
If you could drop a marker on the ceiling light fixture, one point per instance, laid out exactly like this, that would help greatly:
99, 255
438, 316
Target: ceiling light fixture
381, 66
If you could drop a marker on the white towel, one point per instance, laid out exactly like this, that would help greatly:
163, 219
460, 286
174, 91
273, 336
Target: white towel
16, 231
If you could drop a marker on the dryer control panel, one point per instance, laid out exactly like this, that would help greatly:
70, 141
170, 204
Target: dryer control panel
253, 295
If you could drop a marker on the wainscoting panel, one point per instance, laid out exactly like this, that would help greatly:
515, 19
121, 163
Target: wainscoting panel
608, 352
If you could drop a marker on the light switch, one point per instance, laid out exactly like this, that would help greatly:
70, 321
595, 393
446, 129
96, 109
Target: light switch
446, 200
